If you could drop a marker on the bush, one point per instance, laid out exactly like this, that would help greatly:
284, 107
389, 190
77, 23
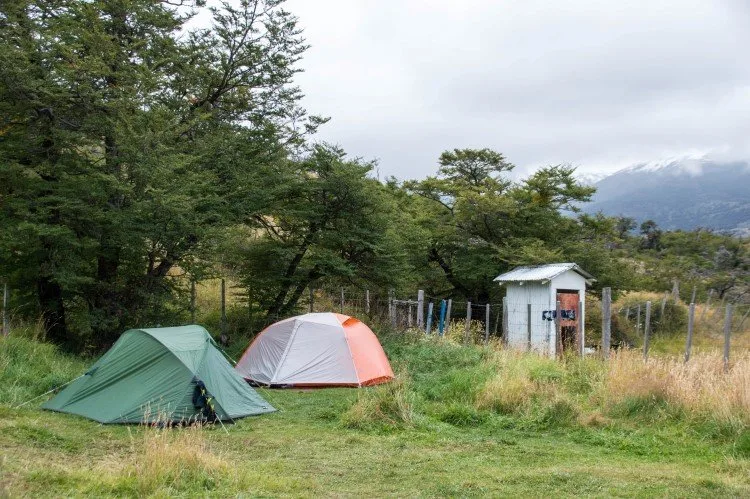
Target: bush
625, 317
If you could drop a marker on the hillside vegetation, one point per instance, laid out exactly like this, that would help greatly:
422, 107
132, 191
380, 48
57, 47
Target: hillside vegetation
459, 420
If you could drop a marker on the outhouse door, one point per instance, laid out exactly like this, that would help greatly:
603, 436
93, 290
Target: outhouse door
568, 340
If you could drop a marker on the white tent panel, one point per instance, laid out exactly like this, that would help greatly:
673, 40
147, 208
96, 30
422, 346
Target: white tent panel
263, 359
318, 353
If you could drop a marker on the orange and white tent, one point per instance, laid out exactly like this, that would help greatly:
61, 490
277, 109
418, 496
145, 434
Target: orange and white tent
321, 349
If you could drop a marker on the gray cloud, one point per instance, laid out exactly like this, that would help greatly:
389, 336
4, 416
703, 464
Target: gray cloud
595, 84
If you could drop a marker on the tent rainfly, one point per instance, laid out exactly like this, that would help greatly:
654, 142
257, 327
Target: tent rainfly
160, 375
320, 349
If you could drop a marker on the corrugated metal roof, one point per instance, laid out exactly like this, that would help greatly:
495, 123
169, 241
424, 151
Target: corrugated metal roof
541, 272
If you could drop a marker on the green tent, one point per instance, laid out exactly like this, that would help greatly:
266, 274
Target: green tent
170, 374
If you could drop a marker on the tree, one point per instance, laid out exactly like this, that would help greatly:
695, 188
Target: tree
327, 221
624, 226
650, 235
480, 223
126, 143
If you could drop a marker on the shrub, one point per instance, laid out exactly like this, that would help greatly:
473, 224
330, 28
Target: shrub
625, 317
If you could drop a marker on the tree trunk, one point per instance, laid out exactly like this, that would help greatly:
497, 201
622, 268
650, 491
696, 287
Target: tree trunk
299, 289
436, 257
287, 283
51, 302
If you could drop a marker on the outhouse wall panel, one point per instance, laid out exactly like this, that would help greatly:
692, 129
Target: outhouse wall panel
518, 299
568, 280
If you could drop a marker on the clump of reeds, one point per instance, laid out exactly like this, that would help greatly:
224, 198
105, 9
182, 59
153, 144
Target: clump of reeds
170, 460
387, 405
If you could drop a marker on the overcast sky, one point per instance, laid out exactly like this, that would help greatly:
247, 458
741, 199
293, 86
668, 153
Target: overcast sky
597, 84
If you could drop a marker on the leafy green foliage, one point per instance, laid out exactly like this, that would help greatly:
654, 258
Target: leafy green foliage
127, 146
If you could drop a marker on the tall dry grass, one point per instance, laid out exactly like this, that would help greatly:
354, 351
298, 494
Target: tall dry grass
172, 461
700, 387
527, 385
387, 405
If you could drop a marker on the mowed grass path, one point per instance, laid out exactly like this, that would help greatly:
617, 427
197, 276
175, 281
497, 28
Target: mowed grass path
304, 450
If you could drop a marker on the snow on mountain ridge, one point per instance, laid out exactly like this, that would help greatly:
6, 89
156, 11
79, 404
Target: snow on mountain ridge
692, 164
590, 178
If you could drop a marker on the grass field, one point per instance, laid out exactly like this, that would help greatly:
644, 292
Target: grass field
460, 421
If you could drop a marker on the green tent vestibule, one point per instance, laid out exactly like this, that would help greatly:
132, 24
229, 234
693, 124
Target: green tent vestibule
160, 375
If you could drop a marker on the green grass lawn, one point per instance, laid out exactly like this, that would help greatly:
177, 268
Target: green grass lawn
317, 444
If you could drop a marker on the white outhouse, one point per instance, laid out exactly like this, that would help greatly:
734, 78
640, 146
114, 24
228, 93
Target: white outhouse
531, 303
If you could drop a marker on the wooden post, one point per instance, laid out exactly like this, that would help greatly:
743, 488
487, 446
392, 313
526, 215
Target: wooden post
409, 319
391, 309
580, 324
718, 309
487, 324
691, 324
528, 327
448, 316
676, 290
692, 297
224, 339
429, 318
497, 322
647, 331
342, 300
606, 320
420, 309
192, 303
708, 304
739, 328
505, 319
441, 324
638, 321
627, 312
311, 305
727, 333
6, 329
367, 301
468, 322
558, 329
663, 305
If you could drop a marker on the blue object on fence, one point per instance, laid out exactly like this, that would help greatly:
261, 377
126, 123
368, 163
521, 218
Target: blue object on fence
441, 324
429, 317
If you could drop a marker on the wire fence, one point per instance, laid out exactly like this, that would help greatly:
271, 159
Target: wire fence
542, 326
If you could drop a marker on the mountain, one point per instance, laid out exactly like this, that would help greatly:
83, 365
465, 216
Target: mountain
679, 193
